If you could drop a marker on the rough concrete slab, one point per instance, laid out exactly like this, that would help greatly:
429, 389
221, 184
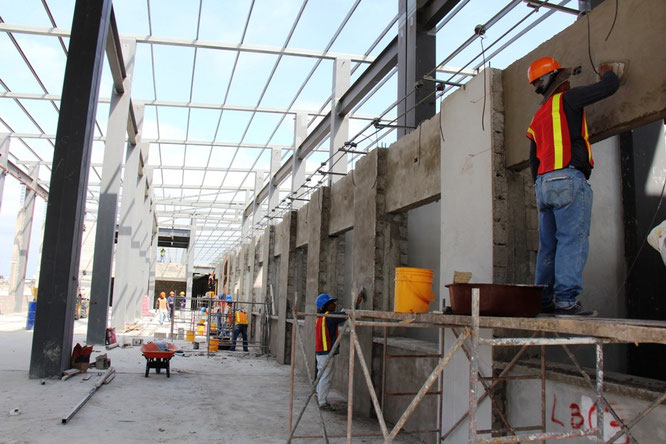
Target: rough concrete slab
637, 38
413, 163
341, 217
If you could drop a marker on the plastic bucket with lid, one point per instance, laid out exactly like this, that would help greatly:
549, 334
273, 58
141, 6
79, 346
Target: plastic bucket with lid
413, 290
189, 336
213, 345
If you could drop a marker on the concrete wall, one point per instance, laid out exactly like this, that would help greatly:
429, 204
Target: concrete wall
467, 136
467, 192
636, 38
572, 407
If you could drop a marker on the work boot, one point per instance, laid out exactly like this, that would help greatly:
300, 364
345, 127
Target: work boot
574, 310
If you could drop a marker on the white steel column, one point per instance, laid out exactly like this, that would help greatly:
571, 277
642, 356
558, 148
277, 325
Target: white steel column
125, 288
4, 155
144, 239
339, 125
273, 188
22, 242
189, 264
256, 208
153, 246
107, 212
298, 166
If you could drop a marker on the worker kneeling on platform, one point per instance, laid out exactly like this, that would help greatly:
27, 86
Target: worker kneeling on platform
326, 332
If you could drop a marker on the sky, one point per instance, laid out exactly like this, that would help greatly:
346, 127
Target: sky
178, 78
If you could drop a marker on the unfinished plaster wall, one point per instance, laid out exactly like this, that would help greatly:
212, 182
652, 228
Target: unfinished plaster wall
285, 238
467, 223
572, 407
637, 37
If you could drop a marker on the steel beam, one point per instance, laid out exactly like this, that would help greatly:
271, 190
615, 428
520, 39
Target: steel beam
189, 43
4, 162
58, 280
416, 58
189, 259
372, 75
22, 245
273, 184
339, 130
298, 165
433, 11
107, 211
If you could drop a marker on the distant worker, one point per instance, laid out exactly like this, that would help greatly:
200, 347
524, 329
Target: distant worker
170, 300
240, 328
162, 255
163, 308
561, 162
182, 299
326, 332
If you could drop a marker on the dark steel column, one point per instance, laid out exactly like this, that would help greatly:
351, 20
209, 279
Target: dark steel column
58, 280
416, 58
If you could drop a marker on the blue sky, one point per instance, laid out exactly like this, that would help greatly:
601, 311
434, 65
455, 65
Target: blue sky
221, 20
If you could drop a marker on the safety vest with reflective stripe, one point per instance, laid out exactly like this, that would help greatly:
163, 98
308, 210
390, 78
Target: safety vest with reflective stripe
550, 131
241, 318
323, 341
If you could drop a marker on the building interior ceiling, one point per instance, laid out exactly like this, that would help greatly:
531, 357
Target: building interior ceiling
222, 83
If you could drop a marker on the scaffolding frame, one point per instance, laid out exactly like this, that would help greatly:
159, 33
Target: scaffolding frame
195, 305
467, 329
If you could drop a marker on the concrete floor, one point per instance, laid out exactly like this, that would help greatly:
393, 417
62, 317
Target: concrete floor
231, 397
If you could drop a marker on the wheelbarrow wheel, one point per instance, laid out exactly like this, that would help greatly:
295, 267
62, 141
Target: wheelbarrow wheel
157, 370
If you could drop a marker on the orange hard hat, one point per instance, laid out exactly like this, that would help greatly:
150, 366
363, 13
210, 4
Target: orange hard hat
541, 67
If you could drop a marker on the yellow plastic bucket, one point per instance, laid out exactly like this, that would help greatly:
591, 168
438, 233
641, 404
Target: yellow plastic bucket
213, 345
189, 336
200, 330
213, 326
413, 290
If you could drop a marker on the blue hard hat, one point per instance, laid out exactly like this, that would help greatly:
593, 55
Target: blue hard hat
229, 298
324, 299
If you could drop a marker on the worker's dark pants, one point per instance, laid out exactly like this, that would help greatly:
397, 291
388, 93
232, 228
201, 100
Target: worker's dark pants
240, 329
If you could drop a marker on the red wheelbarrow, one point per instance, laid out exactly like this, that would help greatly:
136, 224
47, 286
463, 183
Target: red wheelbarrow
158, 356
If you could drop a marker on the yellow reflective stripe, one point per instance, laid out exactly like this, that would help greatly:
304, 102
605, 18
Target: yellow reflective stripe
323, 333
530, 131
586, 137
557, 132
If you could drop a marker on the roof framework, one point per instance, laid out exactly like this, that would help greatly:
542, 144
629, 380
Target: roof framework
214, 179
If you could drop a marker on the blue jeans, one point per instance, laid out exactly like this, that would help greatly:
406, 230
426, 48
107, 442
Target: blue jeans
242, 330
564, 201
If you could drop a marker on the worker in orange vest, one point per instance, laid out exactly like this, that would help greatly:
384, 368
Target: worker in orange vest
241, 328
561, 162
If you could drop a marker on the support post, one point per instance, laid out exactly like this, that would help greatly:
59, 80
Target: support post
100, 289
256, 207
416, 57
189, 270
125, 286
4, 165
298, 166
339, 124
273, 188
58, 280
22, 242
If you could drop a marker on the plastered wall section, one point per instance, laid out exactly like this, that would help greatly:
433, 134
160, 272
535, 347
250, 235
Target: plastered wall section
466, 225
637, 38
413, 168
569, 407
466, 179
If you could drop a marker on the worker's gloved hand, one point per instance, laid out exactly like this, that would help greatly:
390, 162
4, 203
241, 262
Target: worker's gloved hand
617, 67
